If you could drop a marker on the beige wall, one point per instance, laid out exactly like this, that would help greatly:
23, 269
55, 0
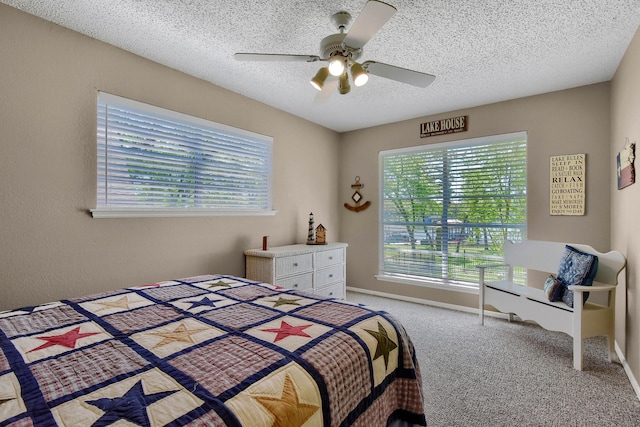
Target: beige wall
51, 247
565, 122
625, 232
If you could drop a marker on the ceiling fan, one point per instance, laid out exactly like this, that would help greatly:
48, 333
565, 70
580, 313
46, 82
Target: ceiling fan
342, 50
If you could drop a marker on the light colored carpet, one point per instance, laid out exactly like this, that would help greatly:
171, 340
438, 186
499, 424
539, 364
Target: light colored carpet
509, 374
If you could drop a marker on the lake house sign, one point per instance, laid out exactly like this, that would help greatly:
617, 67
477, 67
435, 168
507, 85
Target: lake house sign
444, 126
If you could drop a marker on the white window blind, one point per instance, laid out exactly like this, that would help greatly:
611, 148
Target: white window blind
156, 162
445, 208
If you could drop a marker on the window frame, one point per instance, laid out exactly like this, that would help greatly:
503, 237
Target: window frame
425, 281
104, 210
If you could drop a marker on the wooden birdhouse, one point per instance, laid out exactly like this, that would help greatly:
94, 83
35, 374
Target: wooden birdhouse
321, 235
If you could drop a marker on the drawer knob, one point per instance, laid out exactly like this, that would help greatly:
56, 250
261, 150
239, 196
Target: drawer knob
330, 257
295, 264
331, 275
295, 285
330, 293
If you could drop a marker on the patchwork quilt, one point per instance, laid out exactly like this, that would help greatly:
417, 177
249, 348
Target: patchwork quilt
209, 350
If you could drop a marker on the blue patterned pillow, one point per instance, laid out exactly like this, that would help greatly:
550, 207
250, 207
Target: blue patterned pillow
554, 289
576, 268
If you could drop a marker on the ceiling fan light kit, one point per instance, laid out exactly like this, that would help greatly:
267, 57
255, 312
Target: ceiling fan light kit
321, 76
344, 87
359, 74
337, 65
342, 50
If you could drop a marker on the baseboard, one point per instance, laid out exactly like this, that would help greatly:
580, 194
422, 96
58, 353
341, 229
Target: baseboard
619, 353
427, 302
627, 369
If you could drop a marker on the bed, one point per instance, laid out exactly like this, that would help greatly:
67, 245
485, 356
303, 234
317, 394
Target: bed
210, 350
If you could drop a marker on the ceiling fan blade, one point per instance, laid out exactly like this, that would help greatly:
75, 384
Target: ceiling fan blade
275, 57
374, 15
403, 75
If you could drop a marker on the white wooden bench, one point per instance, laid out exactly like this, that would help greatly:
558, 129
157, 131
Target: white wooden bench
531, 303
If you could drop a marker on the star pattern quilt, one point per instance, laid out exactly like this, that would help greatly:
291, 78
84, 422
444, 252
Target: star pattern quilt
209, 350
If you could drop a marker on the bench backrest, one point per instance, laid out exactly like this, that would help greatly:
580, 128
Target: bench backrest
545, 256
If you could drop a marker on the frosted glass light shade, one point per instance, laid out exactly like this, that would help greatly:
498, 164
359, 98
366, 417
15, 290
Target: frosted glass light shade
318, 80
336, 66
359, 74
344, 86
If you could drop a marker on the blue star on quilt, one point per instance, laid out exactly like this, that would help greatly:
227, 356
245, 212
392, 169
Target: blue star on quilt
204, 302
27, 310
131, 407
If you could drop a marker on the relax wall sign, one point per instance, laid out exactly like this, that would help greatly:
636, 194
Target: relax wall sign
567, 181
444, 126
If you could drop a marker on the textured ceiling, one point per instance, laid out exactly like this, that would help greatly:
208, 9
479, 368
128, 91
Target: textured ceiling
481, 51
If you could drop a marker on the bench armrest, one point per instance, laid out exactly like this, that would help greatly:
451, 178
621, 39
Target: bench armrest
598, 288
481, 270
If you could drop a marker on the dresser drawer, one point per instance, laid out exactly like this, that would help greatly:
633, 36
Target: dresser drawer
326, 258
301, 282
333, 291
294, 264
329, 275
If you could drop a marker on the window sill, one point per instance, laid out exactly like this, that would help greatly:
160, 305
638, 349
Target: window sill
445, 286
173, 212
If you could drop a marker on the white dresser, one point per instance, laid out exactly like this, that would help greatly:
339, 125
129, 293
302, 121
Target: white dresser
320, 269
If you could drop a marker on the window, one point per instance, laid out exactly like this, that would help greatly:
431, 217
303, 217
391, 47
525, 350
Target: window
445, 208
156, 162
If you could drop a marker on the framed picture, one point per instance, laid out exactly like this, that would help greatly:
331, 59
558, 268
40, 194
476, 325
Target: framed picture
625, 168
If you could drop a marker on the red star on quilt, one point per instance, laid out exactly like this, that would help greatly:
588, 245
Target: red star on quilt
68, 339
286, 330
